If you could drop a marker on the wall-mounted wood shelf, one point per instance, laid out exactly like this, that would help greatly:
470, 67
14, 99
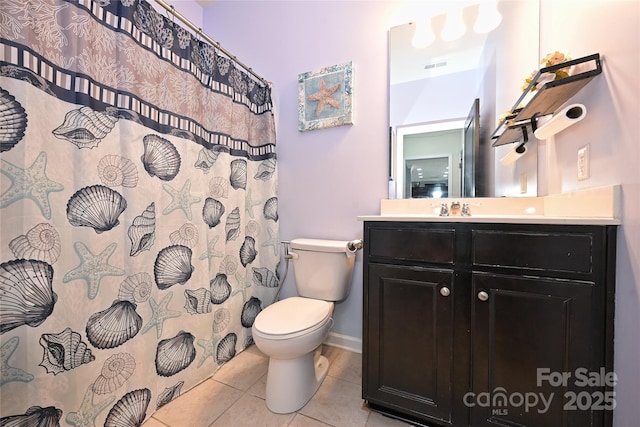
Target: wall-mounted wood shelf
522, 122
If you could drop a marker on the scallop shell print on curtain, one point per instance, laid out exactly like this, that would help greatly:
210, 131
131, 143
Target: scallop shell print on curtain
138, 219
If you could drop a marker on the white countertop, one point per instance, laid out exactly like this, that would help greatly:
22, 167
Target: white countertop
594, 206
500, 219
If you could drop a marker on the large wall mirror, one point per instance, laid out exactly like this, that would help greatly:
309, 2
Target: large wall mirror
448, 84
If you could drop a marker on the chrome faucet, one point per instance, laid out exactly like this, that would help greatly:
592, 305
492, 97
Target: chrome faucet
455, 207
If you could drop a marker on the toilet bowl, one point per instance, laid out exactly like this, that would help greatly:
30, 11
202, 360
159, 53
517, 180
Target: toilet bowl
291, 332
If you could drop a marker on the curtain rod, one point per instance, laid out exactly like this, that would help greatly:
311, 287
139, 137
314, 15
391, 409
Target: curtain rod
202, 34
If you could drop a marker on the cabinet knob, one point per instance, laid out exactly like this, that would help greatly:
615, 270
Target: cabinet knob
444, 291
483, 296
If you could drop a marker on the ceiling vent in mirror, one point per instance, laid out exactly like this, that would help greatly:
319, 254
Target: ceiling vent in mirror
435, 65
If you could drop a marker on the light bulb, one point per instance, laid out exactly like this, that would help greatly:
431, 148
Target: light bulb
454, 27
488, 17
423, 35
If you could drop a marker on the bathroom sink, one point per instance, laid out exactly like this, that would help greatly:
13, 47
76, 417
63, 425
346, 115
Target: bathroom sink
478, 206
595, 206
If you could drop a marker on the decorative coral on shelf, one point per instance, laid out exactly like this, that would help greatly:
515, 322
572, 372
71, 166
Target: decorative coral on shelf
506, 117
549, 60
554, 58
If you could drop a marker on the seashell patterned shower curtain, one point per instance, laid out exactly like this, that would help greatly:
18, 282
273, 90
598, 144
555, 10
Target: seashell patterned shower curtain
138, 211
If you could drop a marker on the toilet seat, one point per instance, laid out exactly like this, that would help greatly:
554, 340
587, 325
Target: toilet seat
292, 317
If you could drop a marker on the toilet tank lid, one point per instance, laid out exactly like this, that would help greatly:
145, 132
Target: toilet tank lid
320, 245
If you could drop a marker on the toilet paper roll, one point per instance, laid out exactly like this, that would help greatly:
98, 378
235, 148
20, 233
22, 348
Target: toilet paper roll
568, 116
514, 155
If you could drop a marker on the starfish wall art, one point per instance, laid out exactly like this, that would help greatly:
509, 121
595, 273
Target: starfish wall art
325, 97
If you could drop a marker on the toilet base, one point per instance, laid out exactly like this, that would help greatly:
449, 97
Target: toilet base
291, 383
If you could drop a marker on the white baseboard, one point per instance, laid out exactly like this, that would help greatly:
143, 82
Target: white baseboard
345, 342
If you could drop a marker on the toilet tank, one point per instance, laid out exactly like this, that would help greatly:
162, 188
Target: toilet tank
322, 268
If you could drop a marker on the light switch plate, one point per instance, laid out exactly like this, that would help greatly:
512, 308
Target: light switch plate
583, 163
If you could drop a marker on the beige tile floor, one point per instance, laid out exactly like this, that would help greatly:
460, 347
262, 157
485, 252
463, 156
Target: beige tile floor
234, 396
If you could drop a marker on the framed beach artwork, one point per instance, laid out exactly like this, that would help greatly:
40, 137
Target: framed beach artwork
325, 97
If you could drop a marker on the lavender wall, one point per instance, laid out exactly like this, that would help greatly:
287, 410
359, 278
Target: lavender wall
187, 8
326, 177
612, 130
329, 177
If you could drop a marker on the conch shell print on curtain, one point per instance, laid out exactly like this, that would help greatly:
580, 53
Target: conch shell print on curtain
85, 128
138, 218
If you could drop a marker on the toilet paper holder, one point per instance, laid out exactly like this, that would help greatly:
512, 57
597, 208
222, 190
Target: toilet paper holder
355, 245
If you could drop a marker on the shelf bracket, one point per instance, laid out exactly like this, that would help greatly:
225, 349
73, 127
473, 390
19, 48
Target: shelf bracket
534, 122
525, 134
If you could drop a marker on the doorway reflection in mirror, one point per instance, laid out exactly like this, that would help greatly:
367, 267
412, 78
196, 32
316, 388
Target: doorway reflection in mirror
429, 177
428, 160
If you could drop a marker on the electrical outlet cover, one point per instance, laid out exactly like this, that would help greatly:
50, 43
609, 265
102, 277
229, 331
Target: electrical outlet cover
583, 163
523, 183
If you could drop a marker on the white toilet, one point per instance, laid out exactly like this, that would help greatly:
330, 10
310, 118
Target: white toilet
291, 331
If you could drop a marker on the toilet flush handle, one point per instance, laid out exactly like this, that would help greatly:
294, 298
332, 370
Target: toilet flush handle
293, 255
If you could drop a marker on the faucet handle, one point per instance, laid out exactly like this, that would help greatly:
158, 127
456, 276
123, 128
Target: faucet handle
444, 209
466, 208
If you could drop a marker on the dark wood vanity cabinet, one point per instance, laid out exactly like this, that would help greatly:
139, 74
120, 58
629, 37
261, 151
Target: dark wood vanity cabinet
482, 324
411, 361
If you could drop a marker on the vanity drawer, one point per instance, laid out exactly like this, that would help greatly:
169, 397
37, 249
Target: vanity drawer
413, 244
553, 251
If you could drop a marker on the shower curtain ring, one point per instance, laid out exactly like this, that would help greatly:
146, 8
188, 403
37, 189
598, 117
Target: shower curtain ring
171, 12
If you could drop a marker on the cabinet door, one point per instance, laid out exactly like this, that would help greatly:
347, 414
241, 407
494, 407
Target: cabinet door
521, 325
408, 342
